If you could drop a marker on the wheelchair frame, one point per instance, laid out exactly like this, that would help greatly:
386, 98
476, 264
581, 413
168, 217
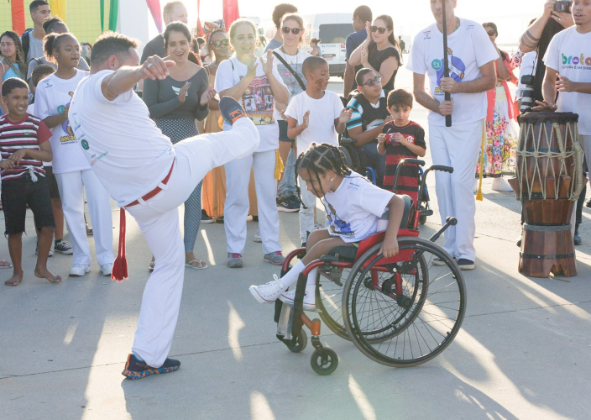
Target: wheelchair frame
291, 321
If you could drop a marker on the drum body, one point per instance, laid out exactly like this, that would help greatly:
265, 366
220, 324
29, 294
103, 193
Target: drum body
549, 181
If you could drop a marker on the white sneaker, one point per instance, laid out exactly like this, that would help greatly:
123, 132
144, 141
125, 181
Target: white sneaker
257, 236
309, 298
79, 270
106, 269
268, 293
501, 184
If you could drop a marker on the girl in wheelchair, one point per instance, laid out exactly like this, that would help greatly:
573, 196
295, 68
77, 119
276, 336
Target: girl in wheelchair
353, 207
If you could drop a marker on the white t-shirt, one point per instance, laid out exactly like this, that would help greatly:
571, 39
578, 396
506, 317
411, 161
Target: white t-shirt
258, 100
469, 48
125, 149
353, 210
323, 112
569, 53
51, 97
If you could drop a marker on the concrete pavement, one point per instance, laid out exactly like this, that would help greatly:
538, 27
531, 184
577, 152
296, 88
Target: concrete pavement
523, 352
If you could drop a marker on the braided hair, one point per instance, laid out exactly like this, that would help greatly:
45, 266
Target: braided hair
320, 159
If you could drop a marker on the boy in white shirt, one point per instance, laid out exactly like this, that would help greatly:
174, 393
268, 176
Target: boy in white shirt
315, 116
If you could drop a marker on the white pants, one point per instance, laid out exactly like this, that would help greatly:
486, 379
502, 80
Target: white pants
306, 214
236, 205
71, 186
159, 222
458, 147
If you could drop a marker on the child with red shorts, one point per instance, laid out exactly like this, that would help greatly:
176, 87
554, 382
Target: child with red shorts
402, 139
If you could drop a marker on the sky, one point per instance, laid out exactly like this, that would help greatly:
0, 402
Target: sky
511, 16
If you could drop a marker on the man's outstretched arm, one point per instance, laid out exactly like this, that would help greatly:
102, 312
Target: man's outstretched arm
125, 78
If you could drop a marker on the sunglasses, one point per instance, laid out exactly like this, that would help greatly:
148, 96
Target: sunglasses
372, 82
220, 43
294, 31
491, 33
378, 29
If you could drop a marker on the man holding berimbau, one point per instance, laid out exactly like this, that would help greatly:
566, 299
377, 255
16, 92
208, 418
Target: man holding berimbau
470, 60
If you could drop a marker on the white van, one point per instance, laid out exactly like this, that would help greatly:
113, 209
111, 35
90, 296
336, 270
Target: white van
331, 28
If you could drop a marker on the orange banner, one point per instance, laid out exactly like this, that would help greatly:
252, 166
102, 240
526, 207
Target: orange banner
18, 16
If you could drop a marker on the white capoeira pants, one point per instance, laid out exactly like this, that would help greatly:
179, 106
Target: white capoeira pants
306, 214
458, 147
71, 186
159, 222
236, 205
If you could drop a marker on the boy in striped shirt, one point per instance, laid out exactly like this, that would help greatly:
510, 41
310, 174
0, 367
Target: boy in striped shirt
23, 146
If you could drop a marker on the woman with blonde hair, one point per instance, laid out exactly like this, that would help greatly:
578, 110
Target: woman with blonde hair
257, 84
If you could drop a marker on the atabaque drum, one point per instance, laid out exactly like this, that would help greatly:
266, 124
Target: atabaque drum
549, 181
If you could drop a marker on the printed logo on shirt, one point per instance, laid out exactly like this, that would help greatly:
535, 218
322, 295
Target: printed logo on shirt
337, 225
427, 34
176, 90
84, 144
456, 69
576, 62
70, 138
96, 158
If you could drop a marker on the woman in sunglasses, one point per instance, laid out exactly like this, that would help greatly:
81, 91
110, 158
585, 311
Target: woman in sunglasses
381, 56
501, 130
289, 58
257, 84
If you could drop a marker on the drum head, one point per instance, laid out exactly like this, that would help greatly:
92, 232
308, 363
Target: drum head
553, 117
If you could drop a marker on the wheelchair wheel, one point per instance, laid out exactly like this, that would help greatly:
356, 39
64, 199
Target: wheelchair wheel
414, 325
324, 363
301, 343
329, 296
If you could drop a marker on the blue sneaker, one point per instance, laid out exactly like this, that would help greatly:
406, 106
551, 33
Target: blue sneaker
231, 110
137, 369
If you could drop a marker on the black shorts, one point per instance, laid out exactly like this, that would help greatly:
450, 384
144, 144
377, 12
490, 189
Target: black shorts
16, 194
283, 131
54, 191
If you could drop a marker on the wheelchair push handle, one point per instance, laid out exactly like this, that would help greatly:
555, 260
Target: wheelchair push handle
399, 168
442, 168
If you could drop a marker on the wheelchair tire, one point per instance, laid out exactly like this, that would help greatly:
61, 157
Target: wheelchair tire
412, 328
324, 363
301, 343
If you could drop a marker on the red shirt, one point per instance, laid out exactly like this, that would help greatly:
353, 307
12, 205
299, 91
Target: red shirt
28, 133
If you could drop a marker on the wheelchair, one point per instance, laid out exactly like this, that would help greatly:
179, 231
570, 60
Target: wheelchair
400, 311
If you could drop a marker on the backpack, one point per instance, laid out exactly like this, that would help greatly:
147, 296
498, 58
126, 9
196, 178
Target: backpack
26, 41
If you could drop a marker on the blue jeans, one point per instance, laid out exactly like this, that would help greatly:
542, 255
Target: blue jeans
370, 157
287, 185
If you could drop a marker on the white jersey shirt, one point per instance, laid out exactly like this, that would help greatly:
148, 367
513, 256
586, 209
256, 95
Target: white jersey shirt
569, 53
469, 48
123, 146
51, 97
353, 210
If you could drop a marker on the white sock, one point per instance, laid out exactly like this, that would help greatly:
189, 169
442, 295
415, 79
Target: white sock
292, 275
311, 281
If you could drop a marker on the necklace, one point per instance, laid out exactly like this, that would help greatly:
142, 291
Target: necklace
291, 57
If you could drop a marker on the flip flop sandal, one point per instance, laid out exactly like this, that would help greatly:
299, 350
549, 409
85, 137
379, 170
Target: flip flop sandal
189, 264
5, 264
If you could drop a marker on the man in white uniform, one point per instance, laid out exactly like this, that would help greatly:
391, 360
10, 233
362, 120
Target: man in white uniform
472, 73
149, 177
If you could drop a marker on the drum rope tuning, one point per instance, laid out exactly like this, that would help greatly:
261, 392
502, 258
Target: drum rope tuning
576, 153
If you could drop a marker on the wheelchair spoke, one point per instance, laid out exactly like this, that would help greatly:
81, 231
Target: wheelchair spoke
410, 323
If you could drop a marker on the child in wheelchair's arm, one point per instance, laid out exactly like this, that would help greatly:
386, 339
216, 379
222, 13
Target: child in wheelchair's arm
401, 139
353, 208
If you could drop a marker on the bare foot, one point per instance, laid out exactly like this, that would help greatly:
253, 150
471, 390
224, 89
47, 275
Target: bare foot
44, 273
15, 280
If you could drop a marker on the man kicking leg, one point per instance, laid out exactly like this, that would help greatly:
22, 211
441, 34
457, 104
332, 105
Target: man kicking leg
149, 177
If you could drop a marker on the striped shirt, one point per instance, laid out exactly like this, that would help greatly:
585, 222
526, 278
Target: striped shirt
28, 133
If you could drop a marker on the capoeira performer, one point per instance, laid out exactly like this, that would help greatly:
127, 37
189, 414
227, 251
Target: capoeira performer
150, 178
473, 73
